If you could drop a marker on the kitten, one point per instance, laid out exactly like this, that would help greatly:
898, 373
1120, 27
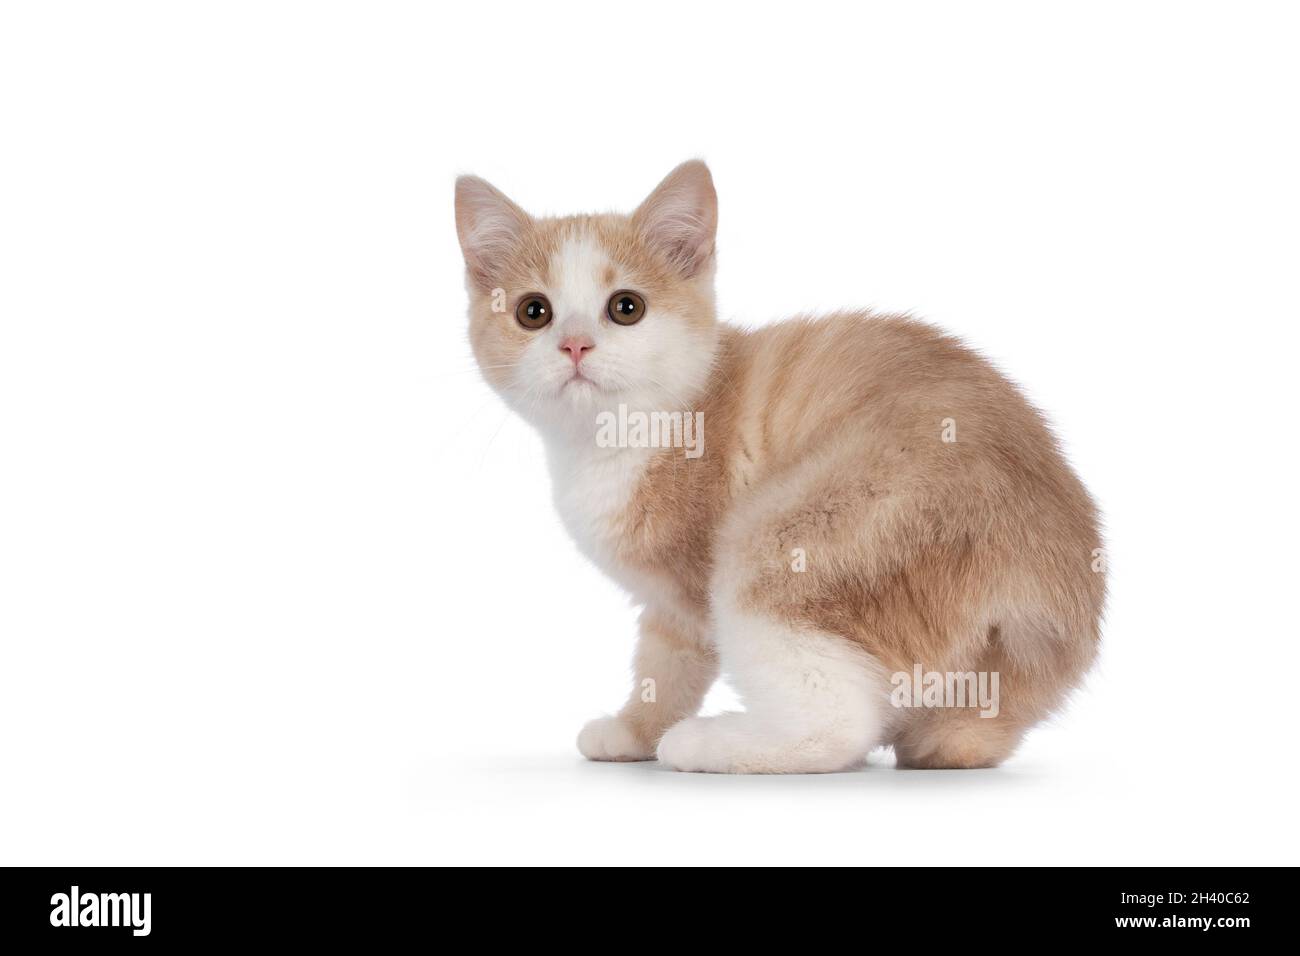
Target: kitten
872, 505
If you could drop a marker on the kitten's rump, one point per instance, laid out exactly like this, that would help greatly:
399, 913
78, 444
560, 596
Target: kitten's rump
935, 519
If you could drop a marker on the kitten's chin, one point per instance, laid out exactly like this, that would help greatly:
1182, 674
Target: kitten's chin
571, 404
578, 398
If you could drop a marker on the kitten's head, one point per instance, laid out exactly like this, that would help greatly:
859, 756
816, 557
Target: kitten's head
576, 315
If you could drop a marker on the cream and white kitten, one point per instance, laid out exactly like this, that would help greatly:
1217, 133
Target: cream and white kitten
867, 500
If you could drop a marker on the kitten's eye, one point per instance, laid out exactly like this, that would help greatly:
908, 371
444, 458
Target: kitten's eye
626, 308
533, 311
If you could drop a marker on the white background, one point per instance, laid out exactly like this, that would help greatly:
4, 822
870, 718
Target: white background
280, 580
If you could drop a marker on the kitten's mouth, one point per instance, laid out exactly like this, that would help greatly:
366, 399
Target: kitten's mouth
578, 378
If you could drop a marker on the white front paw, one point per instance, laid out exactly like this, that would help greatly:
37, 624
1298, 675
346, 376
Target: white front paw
612, 738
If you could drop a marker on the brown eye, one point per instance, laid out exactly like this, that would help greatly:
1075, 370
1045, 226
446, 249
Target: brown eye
533, 311
626, 308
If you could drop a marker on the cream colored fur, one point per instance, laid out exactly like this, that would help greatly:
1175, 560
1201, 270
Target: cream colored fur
830, 438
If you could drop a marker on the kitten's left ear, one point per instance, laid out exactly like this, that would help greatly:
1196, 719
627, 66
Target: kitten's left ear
680, 218
489, 226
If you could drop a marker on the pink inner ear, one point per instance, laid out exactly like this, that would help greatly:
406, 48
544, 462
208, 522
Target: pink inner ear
488, 225
682, 234
680, 217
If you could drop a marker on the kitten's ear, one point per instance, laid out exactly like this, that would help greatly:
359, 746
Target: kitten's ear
680, 218
489, 226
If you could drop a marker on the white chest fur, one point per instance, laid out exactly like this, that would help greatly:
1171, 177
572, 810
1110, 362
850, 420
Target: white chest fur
593, 488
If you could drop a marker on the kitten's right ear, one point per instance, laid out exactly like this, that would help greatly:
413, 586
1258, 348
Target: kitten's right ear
488, 225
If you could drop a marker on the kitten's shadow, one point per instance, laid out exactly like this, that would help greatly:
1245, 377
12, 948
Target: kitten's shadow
879, 773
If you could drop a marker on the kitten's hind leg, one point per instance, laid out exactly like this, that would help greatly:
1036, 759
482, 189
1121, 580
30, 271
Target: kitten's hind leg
815, 703
956, 740
986, 735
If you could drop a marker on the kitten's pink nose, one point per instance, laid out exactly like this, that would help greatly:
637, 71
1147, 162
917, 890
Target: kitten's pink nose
577, 346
